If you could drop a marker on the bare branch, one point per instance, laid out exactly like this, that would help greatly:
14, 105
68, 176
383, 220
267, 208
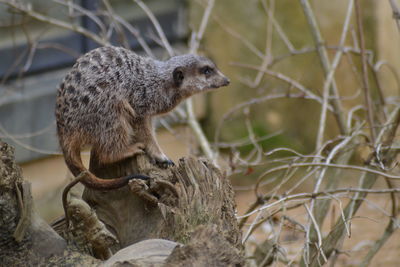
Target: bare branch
135, 33
330, 75
52, 21
343, 166
279, 29
198, 36
323, 56
118, 27
85, 12
367, 93
309, 196
284, 78
157, 26
193, 123
396, 12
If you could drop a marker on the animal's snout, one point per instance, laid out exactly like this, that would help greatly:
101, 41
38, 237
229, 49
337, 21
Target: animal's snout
226, 81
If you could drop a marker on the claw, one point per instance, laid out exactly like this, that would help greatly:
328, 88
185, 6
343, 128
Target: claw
138, 176
165, 163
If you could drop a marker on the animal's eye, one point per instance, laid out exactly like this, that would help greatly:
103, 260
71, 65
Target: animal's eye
206, 70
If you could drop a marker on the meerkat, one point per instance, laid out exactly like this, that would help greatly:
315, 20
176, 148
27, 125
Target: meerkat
109, 98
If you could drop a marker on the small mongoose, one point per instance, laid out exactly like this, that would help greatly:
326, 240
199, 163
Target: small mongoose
108, 99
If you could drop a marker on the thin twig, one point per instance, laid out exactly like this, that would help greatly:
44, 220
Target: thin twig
252, 137
6, 134
251, 47
316, 227
135, 33
119, 30
157, 26
251, 102
333, 153
197, 37
279, 29
268, 46
52, 21
282, 77
343, 166
396, 13
367, 93
330, 76
304, 196
85, 12
192, 121
323, 57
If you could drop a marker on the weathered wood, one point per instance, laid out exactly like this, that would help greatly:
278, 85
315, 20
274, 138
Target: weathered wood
151, 252
191, 203
201, 195
25, 239
207, 247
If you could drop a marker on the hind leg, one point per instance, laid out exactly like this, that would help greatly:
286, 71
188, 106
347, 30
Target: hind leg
117, 153
116, 144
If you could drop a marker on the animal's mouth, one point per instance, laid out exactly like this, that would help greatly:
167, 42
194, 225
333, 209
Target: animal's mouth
225, 82
211, 87
219, 84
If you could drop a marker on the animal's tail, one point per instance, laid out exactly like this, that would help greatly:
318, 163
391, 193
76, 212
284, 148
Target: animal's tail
83, 175
75, 165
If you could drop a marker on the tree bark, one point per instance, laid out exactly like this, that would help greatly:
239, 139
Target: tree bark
25, 239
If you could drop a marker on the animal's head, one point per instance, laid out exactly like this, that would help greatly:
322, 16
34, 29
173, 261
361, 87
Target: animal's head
194, 74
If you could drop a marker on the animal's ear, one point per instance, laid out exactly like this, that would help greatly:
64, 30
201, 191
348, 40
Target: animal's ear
178, 76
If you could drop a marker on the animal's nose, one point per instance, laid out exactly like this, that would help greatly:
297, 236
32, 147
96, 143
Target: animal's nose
226, 81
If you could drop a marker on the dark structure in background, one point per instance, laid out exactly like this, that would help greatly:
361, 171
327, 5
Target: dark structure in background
30, 72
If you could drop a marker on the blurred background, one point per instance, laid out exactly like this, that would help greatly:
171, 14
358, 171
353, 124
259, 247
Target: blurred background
279, 64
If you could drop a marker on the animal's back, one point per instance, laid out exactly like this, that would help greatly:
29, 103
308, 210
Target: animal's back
88, 96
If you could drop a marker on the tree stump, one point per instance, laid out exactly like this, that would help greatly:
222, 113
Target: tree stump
182, 216
25, 239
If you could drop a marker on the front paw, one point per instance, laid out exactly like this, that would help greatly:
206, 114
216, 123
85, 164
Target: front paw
162, 162
165, 163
